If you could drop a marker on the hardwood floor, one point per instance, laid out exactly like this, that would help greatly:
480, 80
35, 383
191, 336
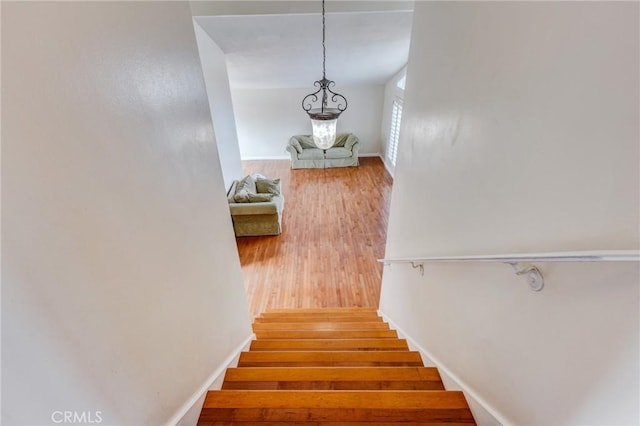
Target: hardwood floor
334, 230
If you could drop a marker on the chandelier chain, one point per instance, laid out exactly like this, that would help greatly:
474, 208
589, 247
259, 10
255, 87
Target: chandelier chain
316, 104
324, 48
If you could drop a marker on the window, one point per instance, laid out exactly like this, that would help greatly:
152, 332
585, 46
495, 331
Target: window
401, 83
394, 131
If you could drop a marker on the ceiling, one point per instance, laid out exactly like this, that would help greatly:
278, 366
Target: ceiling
285, 50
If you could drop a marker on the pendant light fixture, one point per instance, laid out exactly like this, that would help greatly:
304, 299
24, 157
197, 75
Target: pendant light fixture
324, 106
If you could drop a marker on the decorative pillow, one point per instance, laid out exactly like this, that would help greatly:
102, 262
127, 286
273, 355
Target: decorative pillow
341, 139
306, 141
242, 196
268, 186
245, 187
249, 183
260, 198
296, 144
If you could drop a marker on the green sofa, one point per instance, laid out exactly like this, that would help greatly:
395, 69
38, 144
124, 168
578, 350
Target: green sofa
305, 155
256, 218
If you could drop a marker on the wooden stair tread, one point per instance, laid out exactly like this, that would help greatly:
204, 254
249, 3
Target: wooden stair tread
321, 326
340, 378
321, 358
318, 318
346, 310
336, 406
334, 416
335, 399
326, 334
321, 423
329, 344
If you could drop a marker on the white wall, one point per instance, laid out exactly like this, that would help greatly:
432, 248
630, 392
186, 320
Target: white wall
267, 118
520, 134
214, 68
391, 93
121, 286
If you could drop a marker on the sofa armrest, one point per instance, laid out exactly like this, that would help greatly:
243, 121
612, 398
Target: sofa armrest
232, 192
293, 152
351, 141
355, 149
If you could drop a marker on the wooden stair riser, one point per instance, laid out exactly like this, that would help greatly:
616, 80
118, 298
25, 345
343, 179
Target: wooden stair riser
328, 378
333, 373
318, 318
327, 334
335, 385
321, 311
337, 358
312, 326
329, 345
370, 415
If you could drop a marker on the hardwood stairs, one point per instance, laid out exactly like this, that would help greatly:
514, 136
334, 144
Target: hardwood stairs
327, 367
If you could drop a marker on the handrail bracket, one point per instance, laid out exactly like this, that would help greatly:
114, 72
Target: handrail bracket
531, 272
418, 265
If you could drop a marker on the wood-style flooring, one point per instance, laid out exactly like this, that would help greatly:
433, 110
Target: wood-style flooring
334, 230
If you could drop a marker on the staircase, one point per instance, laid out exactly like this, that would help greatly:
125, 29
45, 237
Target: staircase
331, 366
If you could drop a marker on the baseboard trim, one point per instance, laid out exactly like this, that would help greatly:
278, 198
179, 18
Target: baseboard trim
476, 402
267, 157
386, 166
218, 372
287, 157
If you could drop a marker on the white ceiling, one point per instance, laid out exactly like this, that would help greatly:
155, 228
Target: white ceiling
285, 50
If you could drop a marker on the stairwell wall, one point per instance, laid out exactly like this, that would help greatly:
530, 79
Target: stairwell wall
520, 134
216, 78
121, 286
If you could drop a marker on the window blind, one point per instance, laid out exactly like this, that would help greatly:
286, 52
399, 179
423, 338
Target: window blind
394, 131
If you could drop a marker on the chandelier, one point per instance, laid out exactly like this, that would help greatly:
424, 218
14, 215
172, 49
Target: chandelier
324, 106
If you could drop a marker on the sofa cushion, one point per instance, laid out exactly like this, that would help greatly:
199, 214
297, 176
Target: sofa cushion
338, 153
260, 198
311, 154
242, 209
268, 186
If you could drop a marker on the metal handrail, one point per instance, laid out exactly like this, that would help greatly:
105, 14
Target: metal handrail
521, 262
